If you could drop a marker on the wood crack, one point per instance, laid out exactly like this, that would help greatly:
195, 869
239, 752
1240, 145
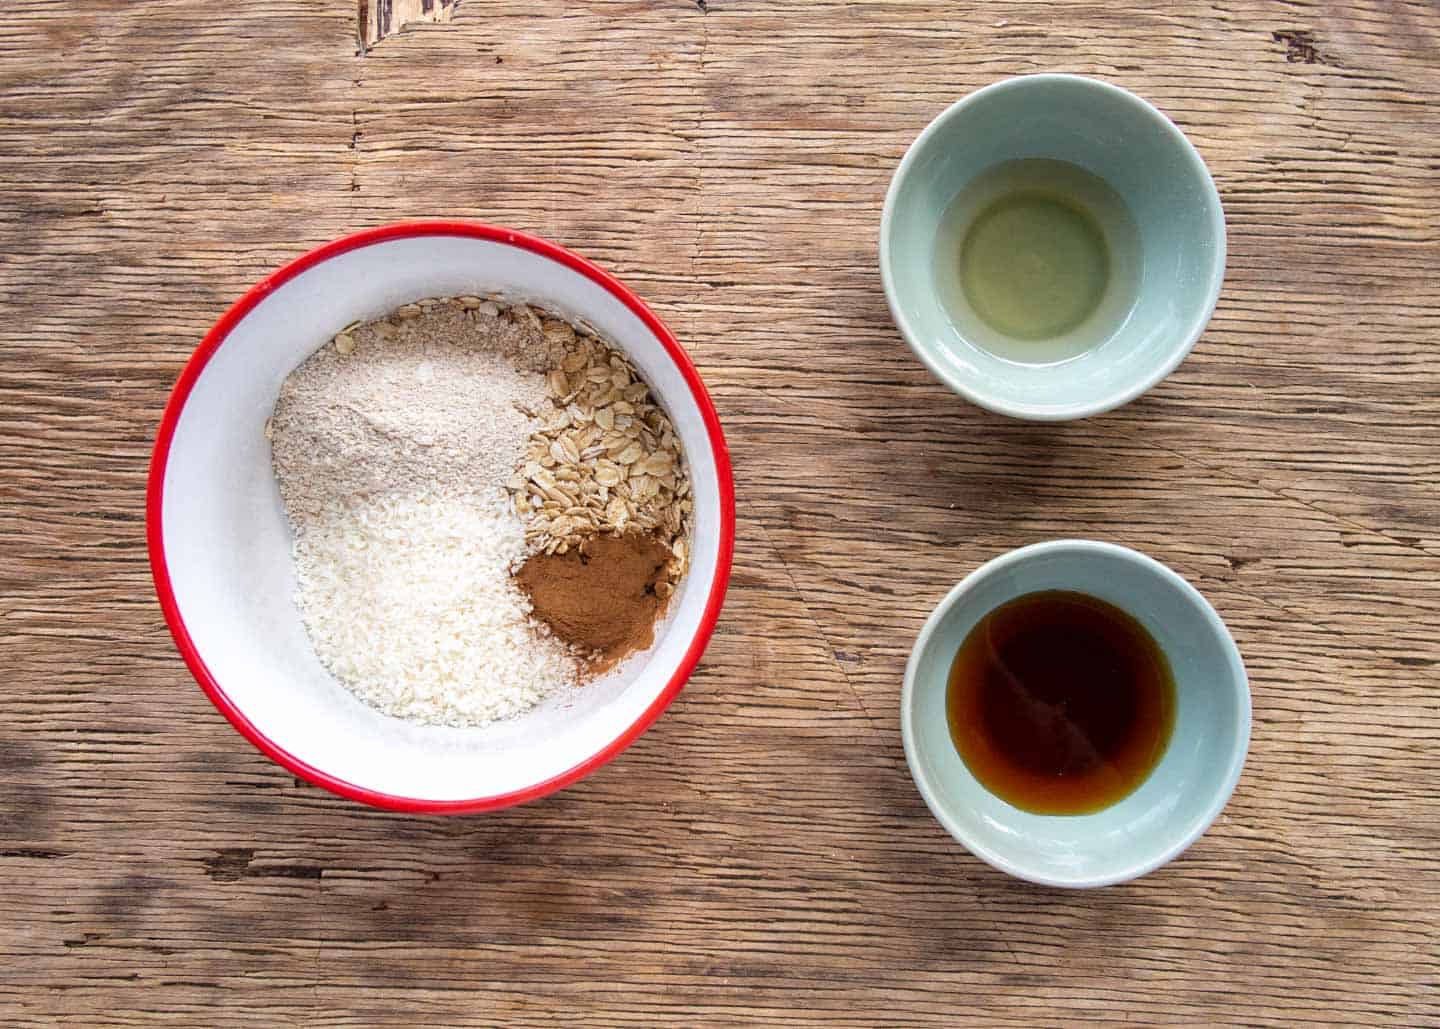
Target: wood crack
232, 864
830, 651
696, 135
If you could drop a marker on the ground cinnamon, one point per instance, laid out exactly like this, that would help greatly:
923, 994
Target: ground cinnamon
600, 598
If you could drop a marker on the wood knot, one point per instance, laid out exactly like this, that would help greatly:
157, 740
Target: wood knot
1300, 47
380, 18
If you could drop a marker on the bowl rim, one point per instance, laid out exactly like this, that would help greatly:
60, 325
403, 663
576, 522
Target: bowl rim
215, 338
1082, 409
1239, 683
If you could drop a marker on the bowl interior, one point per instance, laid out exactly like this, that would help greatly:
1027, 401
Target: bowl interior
226, 542
1142, 156
1183, 794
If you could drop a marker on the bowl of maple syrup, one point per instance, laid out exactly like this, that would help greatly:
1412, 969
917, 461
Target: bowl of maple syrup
1075, 713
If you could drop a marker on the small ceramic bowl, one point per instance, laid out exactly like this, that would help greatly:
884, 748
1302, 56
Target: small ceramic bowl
1136, 151
220, 543
1186, 790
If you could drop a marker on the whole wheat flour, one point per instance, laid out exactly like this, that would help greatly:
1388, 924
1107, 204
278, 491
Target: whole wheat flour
439, 400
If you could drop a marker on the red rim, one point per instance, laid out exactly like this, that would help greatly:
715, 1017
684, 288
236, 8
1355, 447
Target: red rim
154, 530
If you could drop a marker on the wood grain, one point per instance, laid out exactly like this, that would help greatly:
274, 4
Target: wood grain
380, 18
760, 856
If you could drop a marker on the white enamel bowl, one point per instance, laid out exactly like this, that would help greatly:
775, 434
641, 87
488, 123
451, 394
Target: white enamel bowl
220, 544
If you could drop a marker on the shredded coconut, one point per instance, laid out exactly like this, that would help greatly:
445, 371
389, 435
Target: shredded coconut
410, 604
391, 446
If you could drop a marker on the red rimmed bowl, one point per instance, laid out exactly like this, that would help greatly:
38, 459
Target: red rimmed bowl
220, 544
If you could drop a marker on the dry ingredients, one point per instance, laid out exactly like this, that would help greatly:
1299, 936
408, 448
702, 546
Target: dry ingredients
391, 446
409, 603
606, 459
468, 484
433, 398
601, 596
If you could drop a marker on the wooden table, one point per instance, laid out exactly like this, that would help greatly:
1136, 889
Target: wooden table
760, 855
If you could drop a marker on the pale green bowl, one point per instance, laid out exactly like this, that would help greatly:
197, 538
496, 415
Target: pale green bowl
1144, 158
1171, 808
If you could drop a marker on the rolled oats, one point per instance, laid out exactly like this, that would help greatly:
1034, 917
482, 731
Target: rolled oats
605, 459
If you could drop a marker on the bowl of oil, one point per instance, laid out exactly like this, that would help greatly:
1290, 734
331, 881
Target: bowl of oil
1052, 246
1075, 713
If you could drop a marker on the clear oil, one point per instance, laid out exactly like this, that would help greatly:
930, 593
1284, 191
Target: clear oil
1037, 261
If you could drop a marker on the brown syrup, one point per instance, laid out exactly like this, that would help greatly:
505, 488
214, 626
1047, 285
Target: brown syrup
1060, 703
